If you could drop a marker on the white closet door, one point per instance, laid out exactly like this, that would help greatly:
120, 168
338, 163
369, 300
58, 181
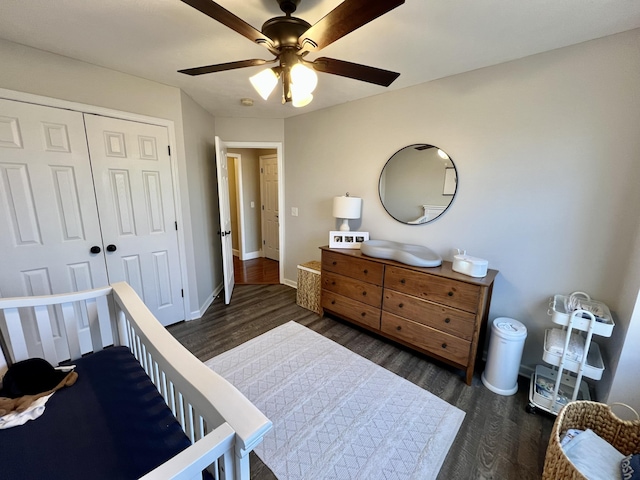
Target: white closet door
47, 206
133, 185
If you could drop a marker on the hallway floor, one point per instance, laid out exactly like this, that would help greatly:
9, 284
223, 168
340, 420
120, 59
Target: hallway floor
259, 271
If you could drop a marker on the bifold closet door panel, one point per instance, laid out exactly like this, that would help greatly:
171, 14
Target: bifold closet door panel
49, 217
48, 209
134, 191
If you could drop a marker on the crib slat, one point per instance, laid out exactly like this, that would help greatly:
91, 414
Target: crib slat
191, 432
227, 465
163, 391
172, 398
181, 412
106, 321
158, 379
43, 323
200, 433
94, 325
71, 328
122, 329
16, 334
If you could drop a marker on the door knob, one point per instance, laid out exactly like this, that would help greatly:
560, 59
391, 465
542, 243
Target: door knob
111, 248
95, 249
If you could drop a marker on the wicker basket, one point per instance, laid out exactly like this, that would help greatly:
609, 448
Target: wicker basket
624, 435
308, 294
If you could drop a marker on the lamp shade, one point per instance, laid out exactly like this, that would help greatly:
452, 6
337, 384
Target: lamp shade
347, 207
264, 82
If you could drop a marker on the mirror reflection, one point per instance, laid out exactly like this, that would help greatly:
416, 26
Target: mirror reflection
417, 184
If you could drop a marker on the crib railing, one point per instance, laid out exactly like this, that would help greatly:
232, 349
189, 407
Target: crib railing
222, 424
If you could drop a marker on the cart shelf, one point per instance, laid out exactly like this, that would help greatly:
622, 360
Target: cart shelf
593, 368
542, 385
560, 316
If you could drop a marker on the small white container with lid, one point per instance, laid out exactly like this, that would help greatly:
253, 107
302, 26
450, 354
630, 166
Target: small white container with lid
468, 265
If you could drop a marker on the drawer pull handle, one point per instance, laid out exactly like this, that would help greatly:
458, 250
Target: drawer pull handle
400, 305
402, 281
447, 320
334, 263
444, 345
450, 294
366, 271
398, 328
364, 294
363, 313
333, 302
333, 283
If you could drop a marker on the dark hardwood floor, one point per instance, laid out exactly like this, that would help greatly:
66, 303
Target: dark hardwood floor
498, 439
258, 271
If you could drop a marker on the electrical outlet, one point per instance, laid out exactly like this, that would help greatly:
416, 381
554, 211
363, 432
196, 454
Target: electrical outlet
253, 204
294, 211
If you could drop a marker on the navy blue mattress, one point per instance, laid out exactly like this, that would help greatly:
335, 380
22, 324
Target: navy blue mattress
111, 424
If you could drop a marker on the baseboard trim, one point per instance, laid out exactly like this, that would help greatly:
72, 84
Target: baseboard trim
251, 255
195, 315
290, 283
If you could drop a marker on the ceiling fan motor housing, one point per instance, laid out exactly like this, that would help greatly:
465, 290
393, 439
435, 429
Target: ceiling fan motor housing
285, 31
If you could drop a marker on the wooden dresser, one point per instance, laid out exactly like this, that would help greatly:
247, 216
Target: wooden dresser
436, 311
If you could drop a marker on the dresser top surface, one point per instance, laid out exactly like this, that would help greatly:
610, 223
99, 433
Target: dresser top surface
443, 270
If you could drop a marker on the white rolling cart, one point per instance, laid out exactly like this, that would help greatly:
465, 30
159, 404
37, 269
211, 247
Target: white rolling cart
570, 351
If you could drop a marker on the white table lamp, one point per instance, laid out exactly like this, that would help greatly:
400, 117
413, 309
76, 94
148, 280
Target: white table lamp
346, 208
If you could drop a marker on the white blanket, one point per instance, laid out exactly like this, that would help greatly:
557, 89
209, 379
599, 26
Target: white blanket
594, 457
555, 344
34, 411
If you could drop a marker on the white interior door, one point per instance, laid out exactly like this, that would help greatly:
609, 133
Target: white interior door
47, 208
134, 190
225, 219
270, 214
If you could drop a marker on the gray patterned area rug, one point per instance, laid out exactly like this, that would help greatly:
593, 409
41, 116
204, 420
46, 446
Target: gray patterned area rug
335, 414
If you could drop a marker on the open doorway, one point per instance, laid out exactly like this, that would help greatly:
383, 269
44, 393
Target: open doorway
255, 188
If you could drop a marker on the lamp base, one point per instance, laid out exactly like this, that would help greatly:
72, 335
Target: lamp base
344, 227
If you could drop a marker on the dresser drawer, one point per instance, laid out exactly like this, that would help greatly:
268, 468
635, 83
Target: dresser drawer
350, 309
353, 267
429, 339
453, 293
447, 319
350, 287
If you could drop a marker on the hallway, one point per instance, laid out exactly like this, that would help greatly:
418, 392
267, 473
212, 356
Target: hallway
259, 271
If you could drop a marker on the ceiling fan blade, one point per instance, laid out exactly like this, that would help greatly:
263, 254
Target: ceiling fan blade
235, 23
345, 18
355, 71
221, 67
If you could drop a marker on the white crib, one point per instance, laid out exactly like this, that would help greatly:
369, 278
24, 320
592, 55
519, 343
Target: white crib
222, 424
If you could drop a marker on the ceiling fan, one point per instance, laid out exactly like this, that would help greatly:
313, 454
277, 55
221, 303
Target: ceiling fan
290, 39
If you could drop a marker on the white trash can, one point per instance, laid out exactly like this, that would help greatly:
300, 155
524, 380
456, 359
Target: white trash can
505, 353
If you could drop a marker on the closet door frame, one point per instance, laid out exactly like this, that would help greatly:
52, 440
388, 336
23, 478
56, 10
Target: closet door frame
108, 112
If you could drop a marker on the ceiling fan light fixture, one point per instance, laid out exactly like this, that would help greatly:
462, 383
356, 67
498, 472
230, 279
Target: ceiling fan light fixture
264, 82
300, 100
303, 78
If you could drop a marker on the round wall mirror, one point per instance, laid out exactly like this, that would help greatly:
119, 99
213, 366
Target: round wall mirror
418, 183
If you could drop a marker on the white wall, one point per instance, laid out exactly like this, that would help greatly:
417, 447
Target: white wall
547, 153
199, 139
250, 129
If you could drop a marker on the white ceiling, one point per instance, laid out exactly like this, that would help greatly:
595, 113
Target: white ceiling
422, 39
